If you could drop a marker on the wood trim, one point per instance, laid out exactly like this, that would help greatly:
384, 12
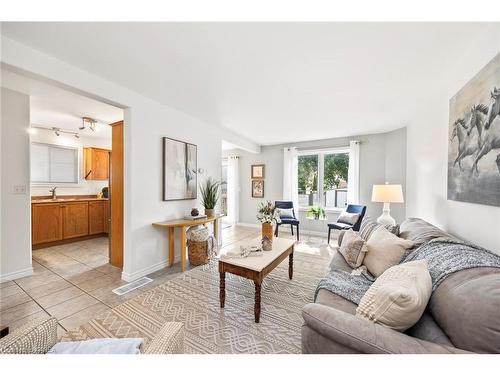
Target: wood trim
116, 194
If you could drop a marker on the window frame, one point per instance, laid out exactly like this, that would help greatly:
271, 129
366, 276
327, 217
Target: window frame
61, 183
321, 172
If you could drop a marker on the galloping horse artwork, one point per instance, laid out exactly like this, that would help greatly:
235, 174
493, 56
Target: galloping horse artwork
474, 139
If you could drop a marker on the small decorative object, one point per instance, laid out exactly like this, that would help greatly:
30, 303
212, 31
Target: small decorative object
179, 170
387, 194
316, 212
105, 191
267, 243
195, 212
258, 171
209, 195
257, 188
267, 215
474, 139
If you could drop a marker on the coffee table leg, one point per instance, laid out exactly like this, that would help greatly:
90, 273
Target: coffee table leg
290, 266
222, 291
256, 309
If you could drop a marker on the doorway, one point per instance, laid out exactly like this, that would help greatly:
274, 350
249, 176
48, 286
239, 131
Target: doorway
76, 152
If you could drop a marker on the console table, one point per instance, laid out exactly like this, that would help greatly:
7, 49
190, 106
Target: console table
183, 224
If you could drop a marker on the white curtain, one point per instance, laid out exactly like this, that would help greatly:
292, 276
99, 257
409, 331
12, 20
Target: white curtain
233, 190
353, 174
290, 177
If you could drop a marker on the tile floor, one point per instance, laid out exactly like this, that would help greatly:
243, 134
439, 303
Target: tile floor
74, 282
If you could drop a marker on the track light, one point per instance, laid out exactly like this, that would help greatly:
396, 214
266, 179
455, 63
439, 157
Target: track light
76, 135
92, 123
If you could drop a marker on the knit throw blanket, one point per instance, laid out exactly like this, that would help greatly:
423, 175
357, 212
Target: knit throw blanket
444, 256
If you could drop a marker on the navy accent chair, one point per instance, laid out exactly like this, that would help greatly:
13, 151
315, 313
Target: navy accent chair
292, 220
352, 209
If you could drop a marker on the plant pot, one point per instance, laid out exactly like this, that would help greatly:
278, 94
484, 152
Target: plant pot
267, 230
210, 212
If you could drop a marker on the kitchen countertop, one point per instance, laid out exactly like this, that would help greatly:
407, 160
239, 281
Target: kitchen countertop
68, 198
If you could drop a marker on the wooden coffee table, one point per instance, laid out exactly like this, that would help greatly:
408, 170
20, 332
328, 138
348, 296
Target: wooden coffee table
256, 268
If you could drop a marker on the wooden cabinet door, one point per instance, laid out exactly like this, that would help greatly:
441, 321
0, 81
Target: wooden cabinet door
75, 218
46, 223
96, 163
97, 217
107, 217
100, 164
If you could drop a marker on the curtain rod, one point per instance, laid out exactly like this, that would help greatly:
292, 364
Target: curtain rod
323, 148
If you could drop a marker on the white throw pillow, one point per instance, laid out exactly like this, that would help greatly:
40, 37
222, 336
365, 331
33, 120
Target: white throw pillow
286, 212
348, 218
99, 346
398, 298
384, 250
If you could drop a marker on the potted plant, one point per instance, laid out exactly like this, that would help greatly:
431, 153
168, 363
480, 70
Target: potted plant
316, 212
209, 195
267, 215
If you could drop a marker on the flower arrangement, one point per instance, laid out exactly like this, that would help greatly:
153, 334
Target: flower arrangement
268, 213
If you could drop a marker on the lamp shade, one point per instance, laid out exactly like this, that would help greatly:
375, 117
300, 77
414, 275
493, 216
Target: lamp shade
387, 194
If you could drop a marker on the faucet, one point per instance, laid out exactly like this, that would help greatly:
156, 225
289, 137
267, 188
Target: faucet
53, 191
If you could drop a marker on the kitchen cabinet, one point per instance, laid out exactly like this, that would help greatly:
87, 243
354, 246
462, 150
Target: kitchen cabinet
96, 163
75, 218
68, 219
97, 217
46, 223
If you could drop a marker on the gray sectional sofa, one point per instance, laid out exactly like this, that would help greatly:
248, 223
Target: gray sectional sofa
463, 314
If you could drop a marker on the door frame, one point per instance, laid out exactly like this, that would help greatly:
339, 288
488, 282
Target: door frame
116, 194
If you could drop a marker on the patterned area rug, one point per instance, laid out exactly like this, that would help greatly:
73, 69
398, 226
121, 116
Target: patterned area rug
193, 298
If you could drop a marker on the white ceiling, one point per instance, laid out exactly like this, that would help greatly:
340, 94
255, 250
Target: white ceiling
274, 82
51, 106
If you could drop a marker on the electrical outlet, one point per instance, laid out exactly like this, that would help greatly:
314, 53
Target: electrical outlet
19, 189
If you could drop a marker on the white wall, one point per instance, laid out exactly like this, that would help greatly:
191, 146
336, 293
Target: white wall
382, 158
427, 155
146, 121
84, 187
15, 252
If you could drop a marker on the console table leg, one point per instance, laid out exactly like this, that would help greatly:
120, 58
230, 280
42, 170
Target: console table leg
290, 266
222, 291
256, 309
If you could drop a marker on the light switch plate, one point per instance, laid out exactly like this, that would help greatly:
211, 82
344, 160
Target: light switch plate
19, 189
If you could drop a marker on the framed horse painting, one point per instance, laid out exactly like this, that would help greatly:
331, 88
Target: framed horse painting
474, 139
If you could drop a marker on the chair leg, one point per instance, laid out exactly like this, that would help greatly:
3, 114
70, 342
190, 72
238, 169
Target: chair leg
297, 233
276, 230
291, 226
329, 231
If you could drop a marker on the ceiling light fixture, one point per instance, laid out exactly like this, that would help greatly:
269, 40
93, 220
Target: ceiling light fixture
92, 123
57, 131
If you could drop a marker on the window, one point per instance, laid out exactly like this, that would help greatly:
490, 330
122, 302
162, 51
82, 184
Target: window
322, 178
51, 164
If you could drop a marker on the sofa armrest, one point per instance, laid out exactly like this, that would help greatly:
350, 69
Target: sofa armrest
365, 336
35, 337
169, 340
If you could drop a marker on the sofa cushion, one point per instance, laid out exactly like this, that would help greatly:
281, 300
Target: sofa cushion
427, 329
466, 306
398, 298
348, 218
327, 298
338, 263
420, 231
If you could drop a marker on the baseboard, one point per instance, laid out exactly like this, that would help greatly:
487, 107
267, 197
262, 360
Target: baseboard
287, 230
128, 277
16, 275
